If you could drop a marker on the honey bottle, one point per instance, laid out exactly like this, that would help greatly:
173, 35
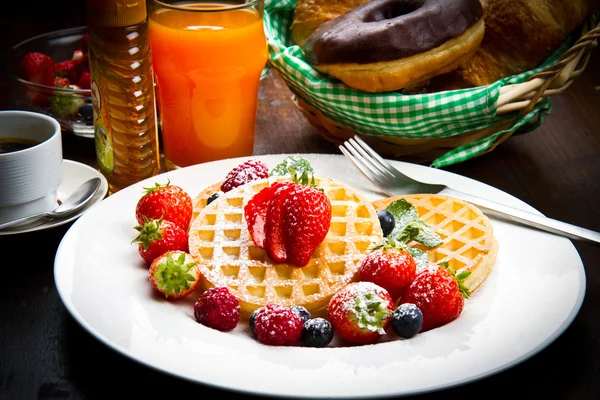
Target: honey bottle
122, 86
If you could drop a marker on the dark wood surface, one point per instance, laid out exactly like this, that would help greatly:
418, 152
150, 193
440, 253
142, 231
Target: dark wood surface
46, 354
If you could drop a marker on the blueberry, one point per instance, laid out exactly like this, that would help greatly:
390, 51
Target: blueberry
387, 222
301, 312
86, 112
317, 332
212, 197
407, 320
252, 321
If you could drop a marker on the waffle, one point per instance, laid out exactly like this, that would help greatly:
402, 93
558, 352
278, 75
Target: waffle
199, 202
220, 243
468, 240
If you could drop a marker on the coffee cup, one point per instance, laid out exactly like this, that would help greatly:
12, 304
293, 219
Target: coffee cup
30, 164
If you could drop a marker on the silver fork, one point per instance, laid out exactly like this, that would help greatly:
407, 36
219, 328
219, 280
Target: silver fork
395, 183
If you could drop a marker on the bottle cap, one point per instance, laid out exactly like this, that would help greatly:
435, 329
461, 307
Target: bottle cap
115, 13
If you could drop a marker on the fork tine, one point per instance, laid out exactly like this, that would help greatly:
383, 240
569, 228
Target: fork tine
389, 168
372, 162
358, 162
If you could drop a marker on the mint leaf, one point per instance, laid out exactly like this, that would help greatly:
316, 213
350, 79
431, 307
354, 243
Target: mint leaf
420, 257
407, 233
409, 227
426, 236
294, 166
404, 213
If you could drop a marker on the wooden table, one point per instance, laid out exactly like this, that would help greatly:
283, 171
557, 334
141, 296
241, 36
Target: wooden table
46, 354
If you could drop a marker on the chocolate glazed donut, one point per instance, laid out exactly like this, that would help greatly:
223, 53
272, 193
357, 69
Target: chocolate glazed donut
387, 45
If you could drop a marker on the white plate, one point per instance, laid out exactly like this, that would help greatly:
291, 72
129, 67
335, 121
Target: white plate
74, 174
529, 299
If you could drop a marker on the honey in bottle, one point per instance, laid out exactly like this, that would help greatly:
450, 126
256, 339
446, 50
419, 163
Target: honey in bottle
123, 98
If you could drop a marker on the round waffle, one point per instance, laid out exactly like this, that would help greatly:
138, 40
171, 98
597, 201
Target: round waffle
226, 255
468, 240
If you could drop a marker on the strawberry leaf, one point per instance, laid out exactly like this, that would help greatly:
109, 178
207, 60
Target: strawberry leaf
460, 278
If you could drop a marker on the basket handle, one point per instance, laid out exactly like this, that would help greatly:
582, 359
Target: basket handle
552, 80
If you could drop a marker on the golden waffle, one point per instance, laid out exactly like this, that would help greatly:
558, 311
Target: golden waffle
199, 202
468, 240
220, 243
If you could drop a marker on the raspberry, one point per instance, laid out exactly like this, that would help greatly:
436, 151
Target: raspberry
277, 325
248, 171
217, 308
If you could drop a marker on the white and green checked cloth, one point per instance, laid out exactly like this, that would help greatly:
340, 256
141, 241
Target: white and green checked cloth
434, 115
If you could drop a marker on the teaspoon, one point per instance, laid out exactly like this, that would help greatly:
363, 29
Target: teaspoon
75, 202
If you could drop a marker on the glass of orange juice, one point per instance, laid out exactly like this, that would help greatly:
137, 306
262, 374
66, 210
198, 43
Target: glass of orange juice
207, 59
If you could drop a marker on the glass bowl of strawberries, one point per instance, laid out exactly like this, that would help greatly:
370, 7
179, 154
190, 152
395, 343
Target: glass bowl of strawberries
51, 75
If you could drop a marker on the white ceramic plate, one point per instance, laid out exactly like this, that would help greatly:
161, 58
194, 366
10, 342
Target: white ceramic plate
529, 299
74, 174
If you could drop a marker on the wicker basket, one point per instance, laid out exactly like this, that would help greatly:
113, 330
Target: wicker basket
528, 97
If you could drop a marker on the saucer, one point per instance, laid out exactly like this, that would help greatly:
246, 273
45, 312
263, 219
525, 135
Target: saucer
74, 174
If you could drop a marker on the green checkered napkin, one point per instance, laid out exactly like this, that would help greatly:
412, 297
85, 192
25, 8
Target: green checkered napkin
434, 115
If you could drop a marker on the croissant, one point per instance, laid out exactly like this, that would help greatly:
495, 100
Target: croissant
520, 34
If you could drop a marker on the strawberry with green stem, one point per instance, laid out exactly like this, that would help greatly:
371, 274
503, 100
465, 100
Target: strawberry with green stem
174, 274
157, 236
439, 292
390, 266
166, 201
360, 312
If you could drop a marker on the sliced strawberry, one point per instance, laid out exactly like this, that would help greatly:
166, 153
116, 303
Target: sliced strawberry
306, 221
275, 242
255, 213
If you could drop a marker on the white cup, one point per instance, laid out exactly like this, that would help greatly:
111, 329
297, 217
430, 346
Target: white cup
29, 176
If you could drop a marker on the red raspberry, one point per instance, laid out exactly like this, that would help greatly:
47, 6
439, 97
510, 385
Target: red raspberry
277, 325
248, 171
218, 308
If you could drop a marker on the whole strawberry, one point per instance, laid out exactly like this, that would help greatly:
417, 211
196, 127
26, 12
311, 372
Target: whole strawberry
389, 266
174, 274
38, 67
157, 236
248, 171
166, 201
217, 308
439, 294
277, 325
360, 312
68, 69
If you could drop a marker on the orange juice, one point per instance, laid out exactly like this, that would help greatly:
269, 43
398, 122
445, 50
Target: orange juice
207, 66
